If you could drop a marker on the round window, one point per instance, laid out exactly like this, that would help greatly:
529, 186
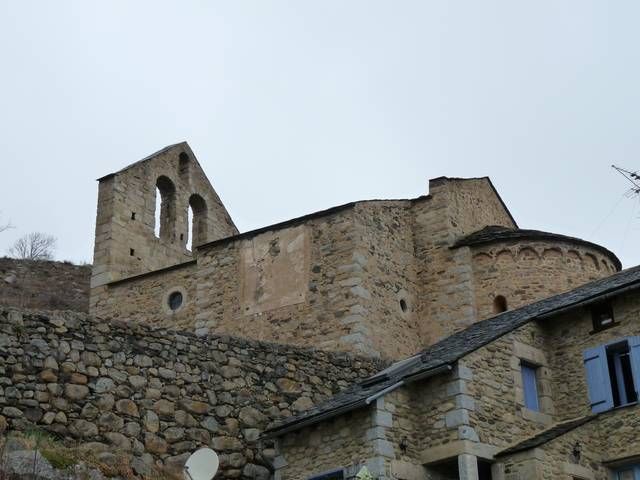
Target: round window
175, 300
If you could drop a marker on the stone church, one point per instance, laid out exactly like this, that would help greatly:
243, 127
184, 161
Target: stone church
510, 353
429, 338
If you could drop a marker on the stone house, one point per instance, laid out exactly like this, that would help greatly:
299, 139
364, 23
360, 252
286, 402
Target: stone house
547, 391
512, 353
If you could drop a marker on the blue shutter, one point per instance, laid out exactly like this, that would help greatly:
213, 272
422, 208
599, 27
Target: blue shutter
598, 380
634, 353
530, 387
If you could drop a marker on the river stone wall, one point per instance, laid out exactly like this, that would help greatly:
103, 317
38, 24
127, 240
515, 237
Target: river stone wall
157, 393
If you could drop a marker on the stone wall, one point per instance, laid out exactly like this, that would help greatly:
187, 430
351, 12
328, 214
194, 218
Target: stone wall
377, 277
157, 393
338, 443
388, 320
526, 271
44, 284
454, 208
145, 298
374, 277
498, 415
335, 281
338, 282
251, 287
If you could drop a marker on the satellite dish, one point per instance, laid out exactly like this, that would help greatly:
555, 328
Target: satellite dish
202, 465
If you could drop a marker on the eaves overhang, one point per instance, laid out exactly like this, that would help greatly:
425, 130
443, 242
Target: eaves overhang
499, 234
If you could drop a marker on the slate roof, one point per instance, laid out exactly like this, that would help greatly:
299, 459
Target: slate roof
437, 357
546, 435
498, 233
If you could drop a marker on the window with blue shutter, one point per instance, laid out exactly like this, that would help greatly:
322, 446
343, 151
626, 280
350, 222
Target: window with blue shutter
613, 374
530, 386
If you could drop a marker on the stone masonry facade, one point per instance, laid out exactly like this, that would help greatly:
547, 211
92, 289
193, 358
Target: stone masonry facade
382, 278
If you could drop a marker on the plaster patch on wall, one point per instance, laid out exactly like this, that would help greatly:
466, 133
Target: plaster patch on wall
274, 269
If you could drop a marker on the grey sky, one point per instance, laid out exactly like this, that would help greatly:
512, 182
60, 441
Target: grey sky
293, 107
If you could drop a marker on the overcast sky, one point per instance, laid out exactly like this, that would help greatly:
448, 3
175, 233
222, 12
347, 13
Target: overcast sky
293, 107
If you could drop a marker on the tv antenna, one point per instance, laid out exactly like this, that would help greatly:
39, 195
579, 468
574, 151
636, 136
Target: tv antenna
632, 177
201, 465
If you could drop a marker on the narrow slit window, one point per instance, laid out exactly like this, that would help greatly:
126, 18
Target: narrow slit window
196, 221
156, 214
530, 386
183, 165
500, 304
190, 233
165, 210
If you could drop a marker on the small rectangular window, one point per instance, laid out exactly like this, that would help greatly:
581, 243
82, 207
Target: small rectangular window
602, 316
530, 386
133, 215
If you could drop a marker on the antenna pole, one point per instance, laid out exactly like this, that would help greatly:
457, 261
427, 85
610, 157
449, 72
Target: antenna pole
632, 177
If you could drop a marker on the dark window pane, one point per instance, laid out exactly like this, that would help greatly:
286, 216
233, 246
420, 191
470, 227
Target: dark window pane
627, 375
175, 300
530, 387
614, 380
602, 316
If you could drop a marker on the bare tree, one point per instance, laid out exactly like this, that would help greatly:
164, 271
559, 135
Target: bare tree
34, 246
5, 226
